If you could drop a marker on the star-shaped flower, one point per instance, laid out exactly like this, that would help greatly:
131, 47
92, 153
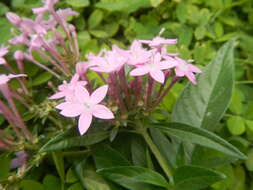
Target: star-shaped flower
86, 106
154, 68
158, 42
185, 69
67, 90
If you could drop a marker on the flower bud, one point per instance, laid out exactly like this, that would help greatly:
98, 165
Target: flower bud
13, 18
19, 55
81, 68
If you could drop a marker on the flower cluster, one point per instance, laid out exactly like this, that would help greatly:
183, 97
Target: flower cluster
136, 80
121, 71
43, 37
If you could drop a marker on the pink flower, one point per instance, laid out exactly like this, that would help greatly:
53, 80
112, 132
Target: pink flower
67, 90
86, 106
5, 78
3, 52
13, 18
158, 42
81, 68
185, 69
154, 68
111, 62
48, 6
138, 55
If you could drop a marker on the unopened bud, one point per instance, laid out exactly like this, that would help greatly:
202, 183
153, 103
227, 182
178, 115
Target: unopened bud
13, 18
19, 55
140, 103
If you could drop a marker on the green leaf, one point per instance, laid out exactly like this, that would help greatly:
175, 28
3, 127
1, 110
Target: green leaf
95, 18
4, 166
236, 125
203, 104
42, 78
200, 32
78, 3
249, 161
31, 184
59, 164
76, 186
193, 177
218, 28
138, 149
155, 3
132, 177
89, 179
127, 6
70, 176
51, 182
99, 33
199, 136
164, 145
106, 157
71, 139
181, 12
236, 105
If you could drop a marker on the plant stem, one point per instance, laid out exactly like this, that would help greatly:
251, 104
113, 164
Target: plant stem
163, 163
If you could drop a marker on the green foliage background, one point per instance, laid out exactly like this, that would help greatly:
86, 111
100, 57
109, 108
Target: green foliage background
201, 27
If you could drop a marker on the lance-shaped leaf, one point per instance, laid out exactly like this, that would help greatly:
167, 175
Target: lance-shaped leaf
203, 104
199, 136
135, 178
193, 177
71, 139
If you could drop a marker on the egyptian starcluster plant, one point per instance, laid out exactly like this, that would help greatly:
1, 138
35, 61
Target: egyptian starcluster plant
130, 84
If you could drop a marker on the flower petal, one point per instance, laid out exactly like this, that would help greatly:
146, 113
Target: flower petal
166, 65
102, 112
191, 77
179, 72
194, 69
74, 79
84, 123
157, 75
72, 110
139, 71
82, 94
99, 94
57, 95
63, 105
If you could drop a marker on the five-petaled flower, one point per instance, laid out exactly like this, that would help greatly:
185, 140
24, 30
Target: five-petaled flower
86, 106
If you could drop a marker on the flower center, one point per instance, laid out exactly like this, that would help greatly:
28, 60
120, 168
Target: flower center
184, 67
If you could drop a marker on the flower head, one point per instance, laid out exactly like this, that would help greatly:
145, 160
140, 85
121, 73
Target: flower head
86, 106
154, 67
67, 90
48, 6
185, 69
137, 54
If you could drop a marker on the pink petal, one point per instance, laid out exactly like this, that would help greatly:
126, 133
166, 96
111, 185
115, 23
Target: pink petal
74, 79
157, 75
63, 105
2, 61
194, 69
157, 58
82, 94
57, 95
179, 72
142, 70
191, 77
84, 123
102, 112
166, 65
39, 10
99, 94
72, 110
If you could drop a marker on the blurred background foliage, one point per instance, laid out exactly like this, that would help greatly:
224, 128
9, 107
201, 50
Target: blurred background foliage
201, 27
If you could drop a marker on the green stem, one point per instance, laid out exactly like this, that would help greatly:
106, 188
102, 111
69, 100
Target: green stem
163, 163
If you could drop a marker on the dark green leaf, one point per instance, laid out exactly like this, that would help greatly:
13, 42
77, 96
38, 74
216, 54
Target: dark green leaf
138, 149
42, 78
31, 184
133, 177
200, 136
203, 105
71, 139
193, 178
4, 166
51, 182
59, 164
106, 157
